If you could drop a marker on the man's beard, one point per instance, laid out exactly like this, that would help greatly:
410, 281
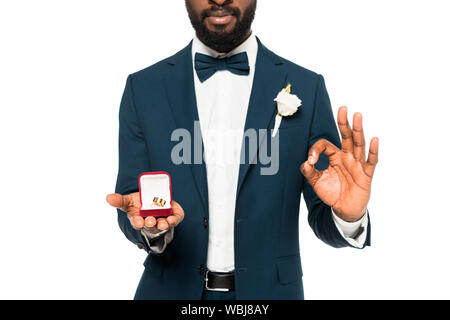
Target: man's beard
223, 41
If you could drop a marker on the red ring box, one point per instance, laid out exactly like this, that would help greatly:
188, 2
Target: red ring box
151, 185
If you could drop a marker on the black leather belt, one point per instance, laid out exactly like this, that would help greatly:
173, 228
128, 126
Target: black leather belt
219, 281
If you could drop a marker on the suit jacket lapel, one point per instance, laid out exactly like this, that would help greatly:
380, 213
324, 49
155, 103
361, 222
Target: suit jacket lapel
269, 79
180, 90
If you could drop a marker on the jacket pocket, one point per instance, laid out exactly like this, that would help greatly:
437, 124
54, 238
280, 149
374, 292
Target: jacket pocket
153, 266
289, 269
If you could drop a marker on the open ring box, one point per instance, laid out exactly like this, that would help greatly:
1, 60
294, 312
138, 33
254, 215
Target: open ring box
151, 185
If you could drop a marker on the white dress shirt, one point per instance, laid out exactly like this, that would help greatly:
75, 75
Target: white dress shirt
222, 102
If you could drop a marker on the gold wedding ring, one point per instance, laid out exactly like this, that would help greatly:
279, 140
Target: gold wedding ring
159, 202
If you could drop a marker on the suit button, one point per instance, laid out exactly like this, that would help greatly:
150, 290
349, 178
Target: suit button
201, 269
205, 222
140, 245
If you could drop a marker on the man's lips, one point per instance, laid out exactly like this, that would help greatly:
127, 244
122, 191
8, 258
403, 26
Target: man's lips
220, 19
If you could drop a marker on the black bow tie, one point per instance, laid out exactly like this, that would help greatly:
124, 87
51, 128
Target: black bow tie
206, 66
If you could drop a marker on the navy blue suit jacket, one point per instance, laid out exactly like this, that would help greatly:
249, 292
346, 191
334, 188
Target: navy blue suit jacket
160, 99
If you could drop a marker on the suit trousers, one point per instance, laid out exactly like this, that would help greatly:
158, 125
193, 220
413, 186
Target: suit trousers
218, 295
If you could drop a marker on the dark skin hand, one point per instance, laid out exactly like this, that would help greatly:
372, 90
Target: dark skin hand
131, 203
219, 20
345, 185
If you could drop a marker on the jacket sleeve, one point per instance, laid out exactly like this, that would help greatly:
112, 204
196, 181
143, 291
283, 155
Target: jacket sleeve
319, 214
133, 160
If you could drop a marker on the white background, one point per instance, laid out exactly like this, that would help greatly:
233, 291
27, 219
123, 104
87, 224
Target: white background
63, 66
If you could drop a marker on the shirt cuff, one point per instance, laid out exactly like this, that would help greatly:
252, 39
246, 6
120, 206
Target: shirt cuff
355, 233
157, 240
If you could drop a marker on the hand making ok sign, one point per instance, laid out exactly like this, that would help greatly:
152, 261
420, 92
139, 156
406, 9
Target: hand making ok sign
345, 185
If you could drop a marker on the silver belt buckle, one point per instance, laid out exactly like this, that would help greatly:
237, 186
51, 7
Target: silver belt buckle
213, 289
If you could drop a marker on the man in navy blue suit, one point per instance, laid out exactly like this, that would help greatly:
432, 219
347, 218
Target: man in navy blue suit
233, 233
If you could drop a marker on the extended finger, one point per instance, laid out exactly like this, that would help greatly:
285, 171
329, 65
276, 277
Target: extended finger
345, 129
372, 158
172, 221
118, 201
321, 146
137, 222
150, 222
177, 212
162, 224
359, 143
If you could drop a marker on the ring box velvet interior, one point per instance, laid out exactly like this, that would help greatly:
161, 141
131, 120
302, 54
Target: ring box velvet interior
151, 185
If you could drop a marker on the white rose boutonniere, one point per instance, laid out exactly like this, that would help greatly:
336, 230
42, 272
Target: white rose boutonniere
287, 104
